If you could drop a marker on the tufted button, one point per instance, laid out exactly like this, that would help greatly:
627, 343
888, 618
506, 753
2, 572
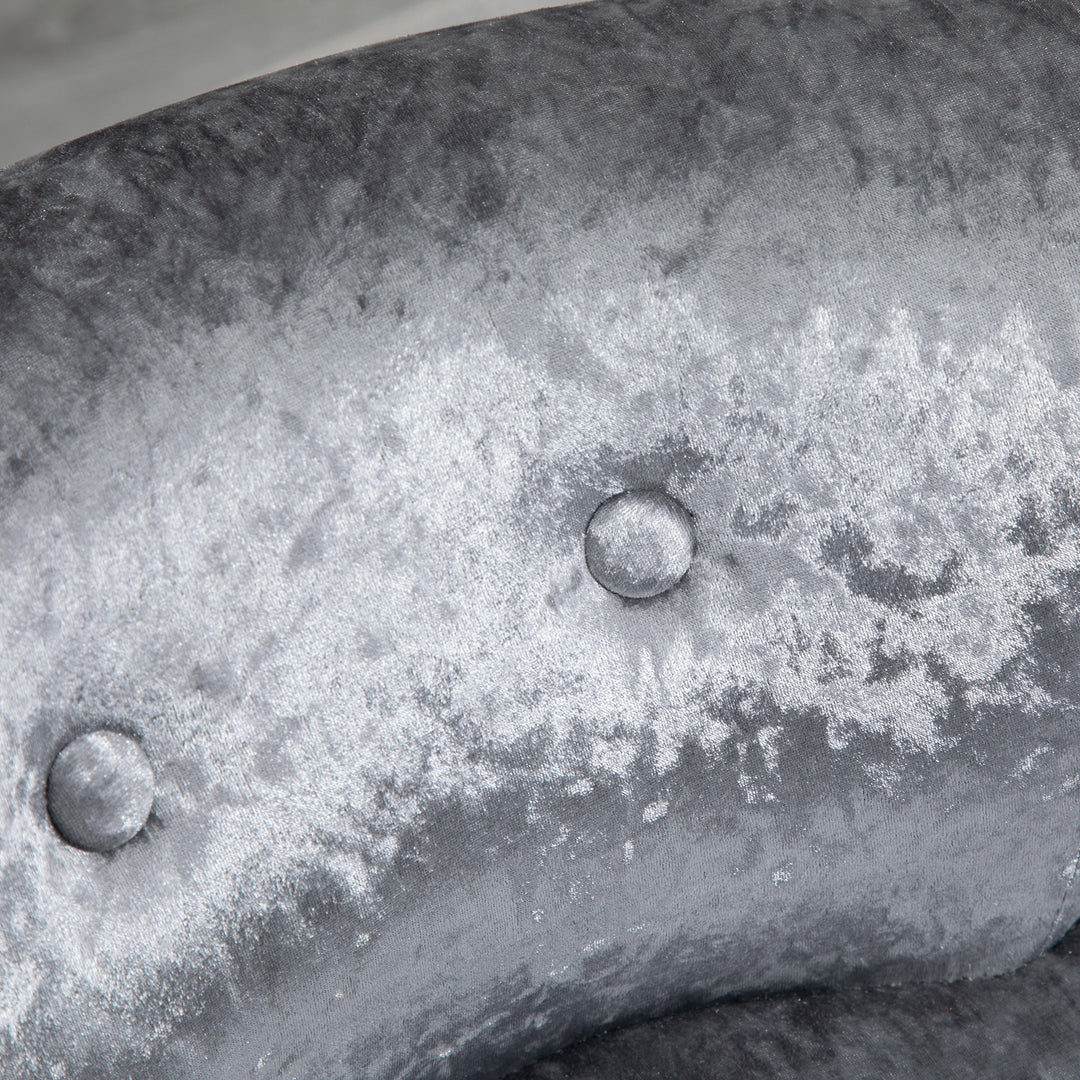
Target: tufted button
101, 790
639, 543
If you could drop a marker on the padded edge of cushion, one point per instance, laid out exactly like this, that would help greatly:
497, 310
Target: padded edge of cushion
1026, 1024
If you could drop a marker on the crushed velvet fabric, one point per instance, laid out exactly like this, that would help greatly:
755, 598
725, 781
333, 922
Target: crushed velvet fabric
1021, 1026
308, 390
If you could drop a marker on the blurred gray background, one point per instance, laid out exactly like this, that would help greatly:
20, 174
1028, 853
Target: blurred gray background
68, 67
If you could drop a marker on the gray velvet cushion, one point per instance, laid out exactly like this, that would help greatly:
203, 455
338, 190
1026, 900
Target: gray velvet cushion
1014, 1027
310, 389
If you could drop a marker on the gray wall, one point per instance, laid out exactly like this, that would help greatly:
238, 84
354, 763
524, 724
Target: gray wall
68, 67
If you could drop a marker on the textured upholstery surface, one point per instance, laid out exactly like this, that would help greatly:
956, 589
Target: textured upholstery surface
309, 391
1021, 1026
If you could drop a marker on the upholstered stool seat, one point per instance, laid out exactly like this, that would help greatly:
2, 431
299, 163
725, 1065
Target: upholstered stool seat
536, 526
